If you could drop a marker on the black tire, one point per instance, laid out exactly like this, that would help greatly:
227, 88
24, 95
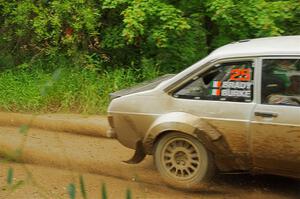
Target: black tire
183, 161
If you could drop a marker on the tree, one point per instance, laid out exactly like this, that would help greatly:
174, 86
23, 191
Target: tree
167, 33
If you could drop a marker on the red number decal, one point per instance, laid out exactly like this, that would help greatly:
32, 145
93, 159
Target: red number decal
240, 74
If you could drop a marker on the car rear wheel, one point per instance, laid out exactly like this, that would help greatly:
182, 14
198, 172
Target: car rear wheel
183, 161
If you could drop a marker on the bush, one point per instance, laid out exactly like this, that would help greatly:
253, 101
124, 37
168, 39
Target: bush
66, 90
173, 34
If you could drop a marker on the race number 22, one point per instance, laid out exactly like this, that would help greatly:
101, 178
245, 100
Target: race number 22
240, 74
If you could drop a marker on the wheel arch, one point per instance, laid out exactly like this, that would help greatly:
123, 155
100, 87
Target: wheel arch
183, 123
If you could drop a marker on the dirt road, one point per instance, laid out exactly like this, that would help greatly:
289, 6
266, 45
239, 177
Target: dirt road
56, 159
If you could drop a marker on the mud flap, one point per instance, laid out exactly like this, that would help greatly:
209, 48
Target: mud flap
139, 154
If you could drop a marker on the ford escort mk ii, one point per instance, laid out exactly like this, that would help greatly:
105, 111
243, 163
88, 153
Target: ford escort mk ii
237, 110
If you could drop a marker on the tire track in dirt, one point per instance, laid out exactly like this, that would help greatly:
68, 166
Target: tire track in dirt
76, 152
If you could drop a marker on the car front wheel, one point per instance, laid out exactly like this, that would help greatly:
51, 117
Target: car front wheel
183, 161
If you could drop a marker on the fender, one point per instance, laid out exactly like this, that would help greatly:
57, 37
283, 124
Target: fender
181, 122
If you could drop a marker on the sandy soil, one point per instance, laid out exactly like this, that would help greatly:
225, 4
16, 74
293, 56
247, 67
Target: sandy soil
72, 123
56, 159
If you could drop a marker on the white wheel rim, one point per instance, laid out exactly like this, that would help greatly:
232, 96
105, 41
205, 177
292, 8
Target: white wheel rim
181, 158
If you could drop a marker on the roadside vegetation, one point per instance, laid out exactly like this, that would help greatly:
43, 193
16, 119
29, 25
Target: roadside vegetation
80, 50
65, 89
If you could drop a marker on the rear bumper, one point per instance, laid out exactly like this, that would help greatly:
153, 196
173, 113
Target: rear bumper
111, 132
123, 129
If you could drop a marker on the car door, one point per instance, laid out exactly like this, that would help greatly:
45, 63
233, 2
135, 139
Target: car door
275, 123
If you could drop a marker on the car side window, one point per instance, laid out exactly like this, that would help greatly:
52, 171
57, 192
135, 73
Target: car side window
281, 82
232, 81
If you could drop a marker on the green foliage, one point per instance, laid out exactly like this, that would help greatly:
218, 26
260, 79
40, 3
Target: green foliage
10, 175
82, 187
18, 185
128, 194
173, 34
24, 129
72, 191
250, 19
11, 186
43, 24
79, 28
150, 18
67, 89
104, 191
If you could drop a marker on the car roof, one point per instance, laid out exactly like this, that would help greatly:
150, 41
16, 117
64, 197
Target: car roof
283, 45
268, 46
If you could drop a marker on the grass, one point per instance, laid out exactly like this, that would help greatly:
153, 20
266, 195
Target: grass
68, 90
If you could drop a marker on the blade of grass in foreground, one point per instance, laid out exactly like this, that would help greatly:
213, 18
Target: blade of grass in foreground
128, 194
103, 191
82, 187
72, 191
10, 175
